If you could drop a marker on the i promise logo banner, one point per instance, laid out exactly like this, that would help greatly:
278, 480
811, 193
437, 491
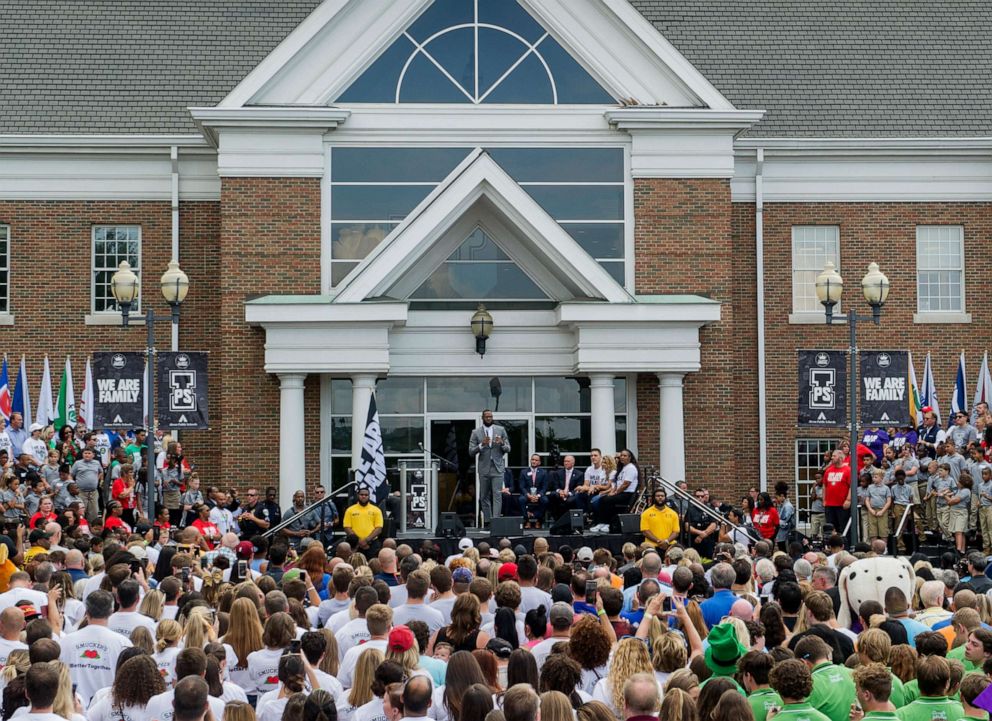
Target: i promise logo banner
884, 388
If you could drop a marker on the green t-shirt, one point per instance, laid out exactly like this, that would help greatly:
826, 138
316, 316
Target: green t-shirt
833, 691
931, 708
800, 712
898, 695
880, 716
761, 701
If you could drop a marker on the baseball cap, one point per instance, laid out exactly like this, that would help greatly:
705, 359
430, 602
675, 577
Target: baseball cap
245, 549
584, 554
36, 427
507, 572
519, 550
462, 575
401, 638
28, 609
37, 534
465, 544
138, 551
561, 593
562, 613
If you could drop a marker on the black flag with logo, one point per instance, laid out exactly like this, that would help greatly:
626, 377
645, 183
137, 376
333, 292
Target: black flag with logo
884, 388
118, 394
182, 390
823, 388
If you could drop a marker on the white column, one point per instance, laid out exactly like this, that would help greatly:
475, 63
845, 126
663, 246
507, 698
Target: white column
604, 427
292, 437
362, 387
672, 450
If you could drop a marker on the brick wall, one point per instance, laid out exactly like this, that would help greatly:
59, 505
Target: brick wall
269, 244
683, 244
886, 233
50, 275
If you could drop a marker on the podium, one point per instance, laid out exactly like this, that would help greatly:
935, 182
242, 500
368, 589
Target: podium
418, 498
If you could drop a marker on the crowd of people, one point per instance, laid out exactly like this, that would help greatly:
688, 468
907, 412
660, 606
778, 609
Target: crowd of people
146, 625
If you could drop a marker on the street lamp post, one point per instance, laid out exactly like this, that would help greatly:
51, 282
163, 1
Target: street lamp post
124, 287
875, 287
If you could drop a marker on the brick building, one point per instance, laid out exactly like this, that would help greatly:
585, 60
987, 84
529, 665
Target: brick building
345, 181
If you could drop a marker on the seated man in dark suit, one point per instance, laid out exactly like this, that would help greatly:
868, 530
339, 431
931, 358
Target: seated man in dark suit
561, 487
511, 495
533, 487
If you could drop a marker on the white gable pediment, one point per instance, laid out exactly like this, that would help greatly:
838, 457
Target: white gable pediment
479, 193
614, 43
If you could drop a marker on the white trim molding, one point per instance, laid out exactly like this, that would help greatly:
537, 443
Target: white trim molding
112, 319
269, 142
810, 170
938, 317
682, 143
6, 319
340, 39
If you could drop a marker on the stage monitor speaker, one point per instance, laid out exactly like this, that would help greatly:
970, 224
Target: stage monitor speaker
450, 526
503, 526
630, 523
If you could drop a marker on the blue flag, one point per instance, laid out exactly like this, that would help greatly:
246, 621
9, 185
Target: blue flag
22, 400
959, 401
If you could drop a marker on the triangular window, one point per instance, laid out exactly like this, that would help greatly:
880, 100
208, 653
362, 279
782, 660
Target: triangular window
479, 270
476, 51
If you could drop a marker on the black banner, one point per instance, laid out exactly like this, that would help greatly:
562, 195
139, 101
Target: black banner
823, 388
182, 391
884, 388
118, 393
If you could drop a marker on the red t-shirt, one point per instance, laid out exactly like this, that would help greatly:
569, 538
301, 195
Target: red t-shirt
863, 453
836, 485
33, 523
126, 501
208, 530
115, 522
765, 520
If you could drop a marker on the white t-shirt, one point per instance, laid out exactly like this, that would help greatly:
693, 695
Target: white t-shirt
233, 692
263, 670
170, 612
337, 620
124, 622
38, 450
43, 716
160, 707
166, 662
542, 650
346, 671
329, 684
91, 655
38, 599
106, 710
271, 709
419, 612
101, 441
330, 606
444, 605
372, 711
352, 634
531, 597
93, 584
7, 646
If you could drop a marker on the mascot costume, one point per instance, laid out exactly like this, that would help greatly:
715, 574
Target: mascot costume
868, 579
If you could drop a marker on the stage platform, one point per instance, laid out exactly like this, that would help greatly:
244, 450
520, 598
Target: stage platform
449, 546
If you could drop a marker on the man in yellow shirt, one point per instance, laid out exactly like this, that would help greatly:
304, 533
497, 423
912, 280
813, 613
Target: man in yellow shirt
363, 521
659, 523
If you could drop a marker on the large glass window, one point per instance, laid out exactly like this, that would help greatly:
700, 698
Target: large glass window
113, 244
940, 268
812, 247
476, 51
374, 189
810, 455
548, 413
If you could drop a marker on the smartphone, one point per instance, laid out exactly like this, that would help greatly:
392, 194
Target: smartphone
172, 534
185, 574
294, 646
591, 591
242, 569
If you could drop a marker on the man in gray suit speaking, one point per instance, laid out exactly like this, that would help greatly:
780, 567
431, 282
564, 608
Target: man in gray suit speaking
489, 444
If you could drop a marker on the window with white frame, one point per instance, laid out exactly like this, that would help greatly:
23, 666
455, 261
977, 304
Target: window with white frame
810, 458
812, 247
4, 268
113, 244
940, 268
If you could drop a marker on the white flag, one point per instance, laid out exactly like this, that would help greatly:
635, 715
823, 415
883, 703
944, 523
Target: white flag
46, 406
983, 389
930, 390
86, 402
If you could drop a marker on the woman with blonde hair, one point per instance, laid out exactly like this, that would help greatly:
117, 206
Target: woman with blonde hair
65, 700
361, 689
401, 647
678, 705
629, 657
244, 635
151, 605
141, 638
330, 663
668, 655
594, 711
683, 680
167, 636
199, 629
238, 711
555, 706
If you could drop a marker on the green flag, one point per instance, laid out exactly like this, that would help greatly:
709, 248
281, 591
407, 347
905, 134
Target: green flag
65, 408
